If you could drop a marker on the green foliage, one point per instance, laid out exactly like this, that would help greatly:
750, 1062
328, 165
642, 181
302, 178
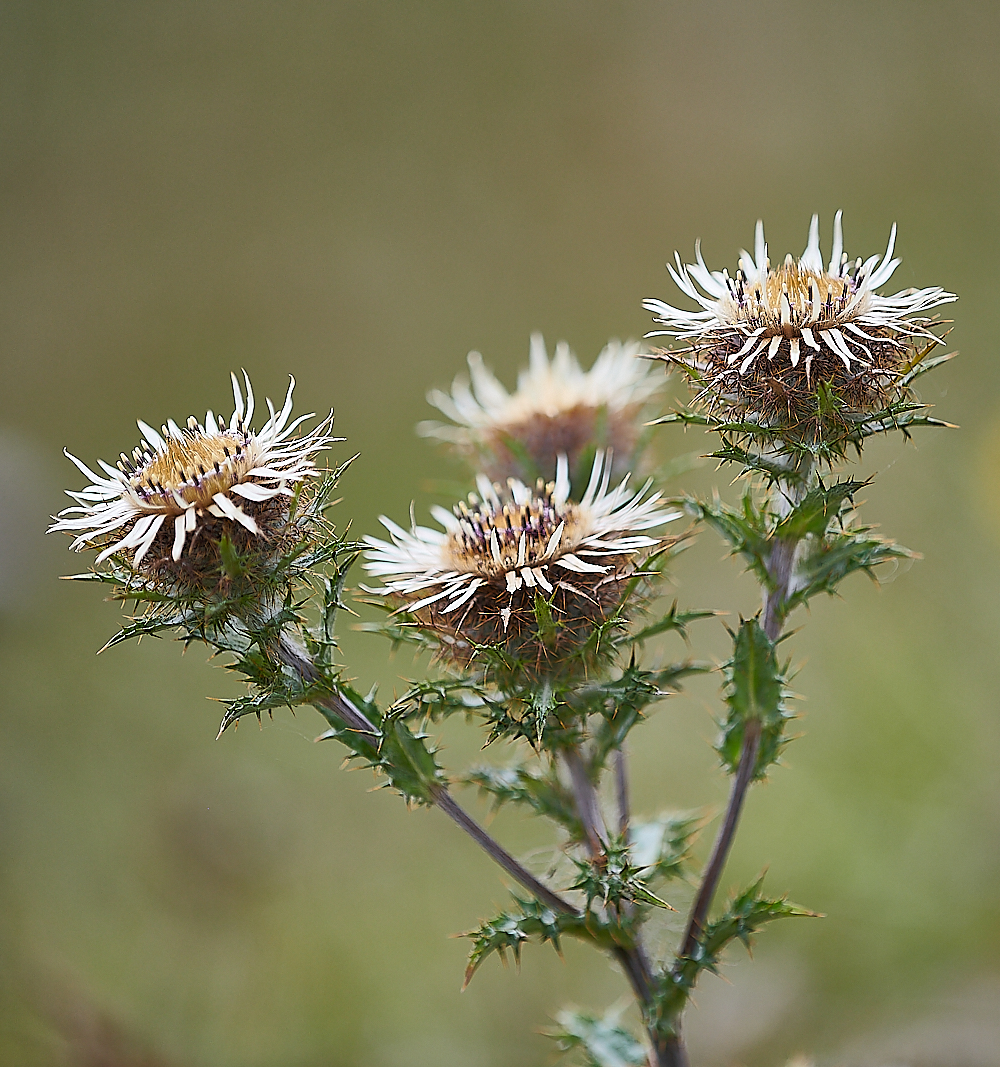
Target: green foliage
438, 698
820, 506
601, 1040
512, 930
827, 564
745, 914
403, 758
321, 641
755, 690
611, 880
830, 546
539, 790
535, 713
744, 530
673, 621
618, 704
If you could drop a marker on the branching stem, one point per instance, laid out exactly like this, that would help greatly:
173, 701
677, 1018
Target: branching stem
632, 959
587, 805
446, 802
723, 840
298, 659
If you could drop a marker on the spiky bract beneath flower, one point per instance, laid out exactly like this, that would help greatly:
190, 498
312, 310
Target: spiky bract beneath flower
800, 347
528, 571
557, 409
183, 492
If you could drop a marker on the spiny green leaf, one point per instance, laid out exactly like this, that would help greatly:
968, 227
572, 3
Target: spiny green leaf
437, 698
686, 417
511, 930
827, 564
755, 690
746, 531
745, 914
602, 1040
611, 879
146, 626
673, 620
540, 790
622, 701
817, 509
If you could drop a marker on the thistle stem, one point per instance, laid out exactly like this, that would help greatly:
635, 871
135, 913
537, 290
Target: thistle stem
780, 568
446, 802
587, 806
723, 840
621, 791
296, 657
632, 959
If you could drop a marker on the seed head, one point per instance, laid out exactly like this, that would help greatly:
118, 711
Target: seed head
557, 409
799, 347
182, 490
476, 583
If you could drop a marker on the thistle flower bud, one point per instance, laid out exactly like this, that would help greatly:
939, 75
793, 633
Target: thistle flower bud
183, 493
799, 348
557, 409
480, 580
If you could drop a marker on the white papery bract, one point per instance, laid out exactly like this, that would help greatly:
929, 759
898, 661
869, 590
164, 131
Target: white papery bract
496, 552
179, 478
799, 308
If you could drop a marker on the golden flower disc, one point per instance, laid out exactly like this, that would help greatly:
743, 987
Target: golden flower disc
491, 542
193, 469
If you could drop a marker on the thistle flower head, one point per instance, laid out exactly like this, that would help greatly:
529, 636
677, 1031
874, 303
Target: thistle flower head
557, 409
476, 582
771, 343
183, 488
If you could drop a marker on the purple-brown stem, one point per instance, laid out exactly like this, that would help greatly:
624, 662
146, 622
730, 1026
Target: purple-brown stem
340, 705
780, 568
632, 959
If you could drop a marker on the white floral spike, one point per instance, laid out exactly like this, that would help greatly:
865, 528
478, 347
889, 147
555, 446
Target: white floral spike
838, 243
187, 475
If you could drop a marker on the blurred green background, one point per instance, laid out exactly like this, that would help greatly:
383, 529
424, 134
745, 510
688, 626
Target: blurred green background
359, 193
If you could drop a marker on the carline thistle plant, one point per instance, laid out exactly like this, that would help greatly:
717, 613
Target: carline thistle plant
540, 598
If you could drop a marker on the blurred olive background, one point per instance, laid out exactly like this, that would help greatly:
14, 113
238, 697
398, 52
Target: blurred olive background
358, 194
